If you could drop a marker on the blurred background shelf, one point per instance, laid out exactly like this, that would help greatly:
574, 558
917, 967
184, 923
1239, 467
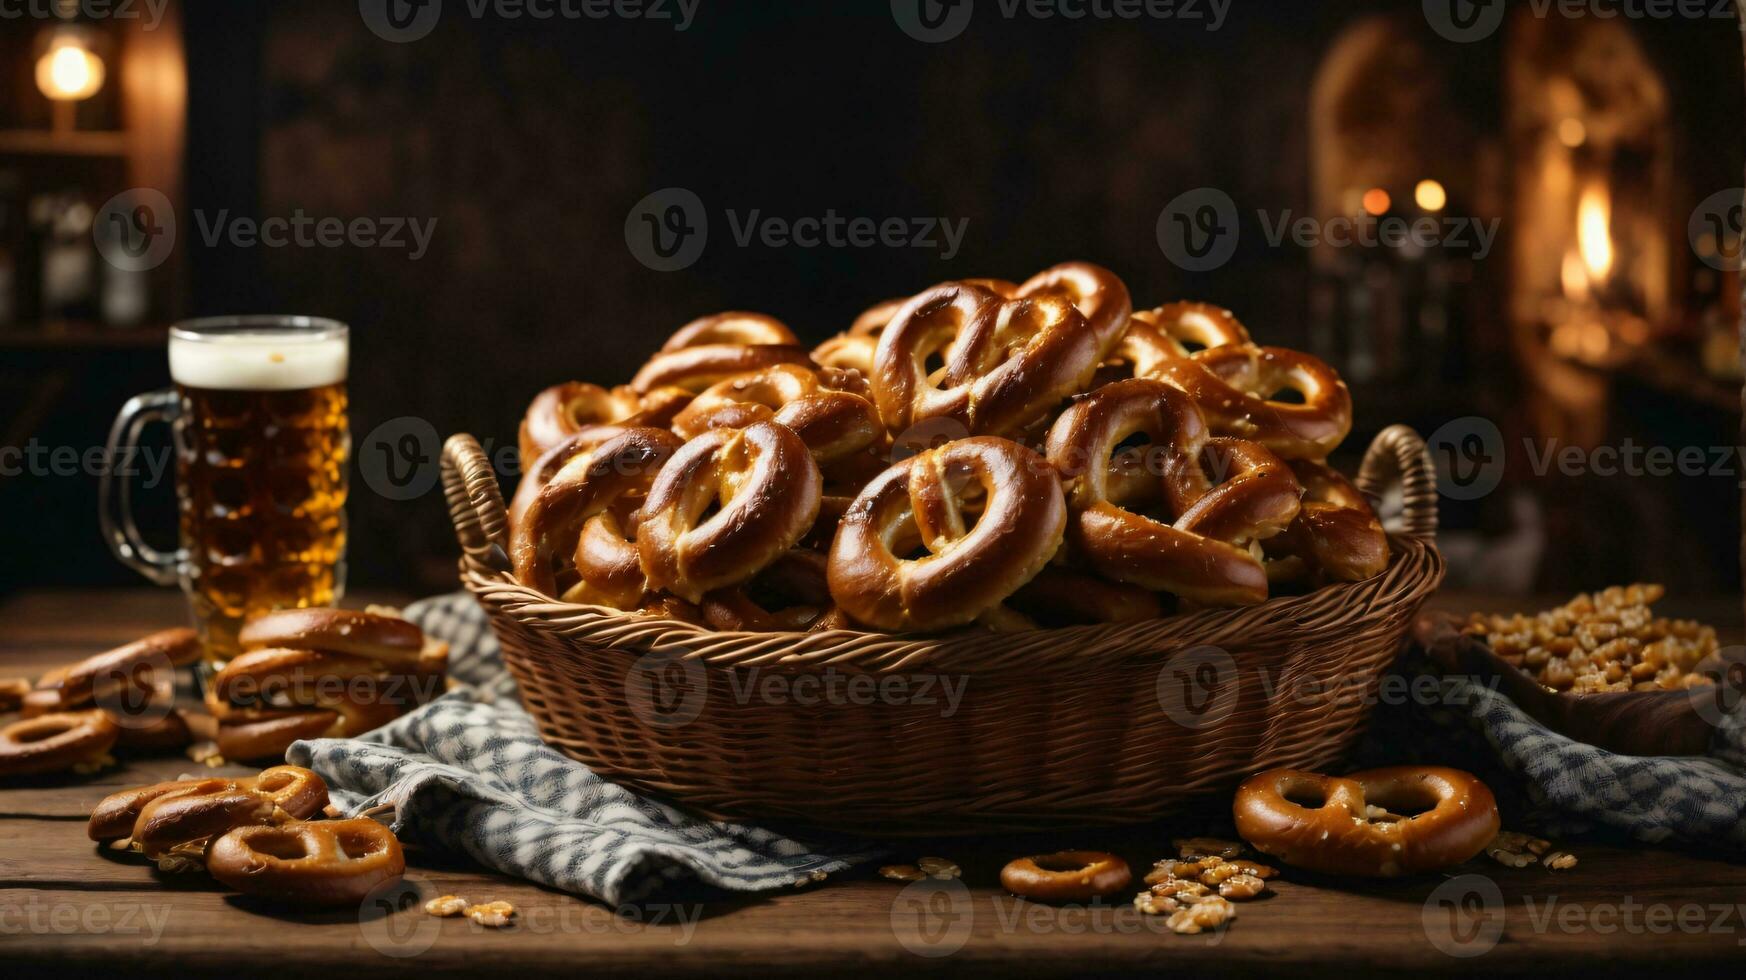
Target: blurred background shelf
79, 143
82, 336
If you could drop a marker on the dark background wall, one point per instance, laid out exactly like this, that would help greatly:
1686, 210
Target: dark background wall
528, 142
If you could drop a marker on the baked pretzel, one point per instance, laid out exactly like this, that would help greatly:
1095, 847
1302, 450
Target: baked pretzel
150, 732
833, 424
1234, 387
791, 595
1323, 823
575, 518
114, 817
1202, 324
268, 734
1130, 546
732, 327
56, 742
535, 477
967, 570
174, 819
1097, 293
1066, 876
1254, 497
337, 862
1007, 363
767, 487
853, 349
106, 673
1336, 535
396, 643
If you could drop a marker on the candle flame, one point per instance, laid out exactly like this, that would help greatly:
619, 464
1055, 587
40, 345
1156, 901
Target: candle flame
1593, 217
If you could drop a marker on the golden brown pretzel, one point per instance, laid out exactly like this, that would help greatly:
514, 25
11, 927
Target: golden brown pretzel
1130, 546
1098, 294
268, 734
535, 477
854, 348
1202, 324
1254, 497
55, 742
791, 595
833, 424
572, 519
732, 327
101, 675
1006, 363
921, 501
566, 409
1335, 536
149, 731
1234, 385
767, 487
176, 819
335, 862
1066, 876
1322, 823
398, 643
114, 817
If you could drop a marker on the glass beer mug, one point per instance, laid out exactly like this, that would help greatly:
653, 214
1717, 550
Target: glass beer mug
258, 416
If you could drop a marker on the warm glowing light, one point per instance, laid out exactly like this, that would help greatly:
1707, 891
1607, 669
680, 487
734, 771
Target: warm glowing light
1430, 195
1376, 201
1572, 133
69, 72
1573, 277
1593, 217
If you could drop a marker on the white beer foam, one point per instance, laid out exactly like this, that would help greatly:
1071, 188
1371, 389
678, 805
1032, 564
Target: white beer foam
266, 361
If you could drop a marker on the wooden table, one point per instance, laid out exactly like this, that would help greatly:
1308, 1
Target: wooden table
66, 904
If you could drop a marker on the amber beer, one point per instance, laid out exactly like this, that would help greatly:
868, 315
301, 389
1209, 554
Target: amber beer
262, 448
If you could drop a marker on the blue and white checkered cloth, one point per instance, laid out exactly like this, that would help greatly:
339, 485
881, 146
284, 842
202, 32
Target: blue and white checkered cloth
468, 773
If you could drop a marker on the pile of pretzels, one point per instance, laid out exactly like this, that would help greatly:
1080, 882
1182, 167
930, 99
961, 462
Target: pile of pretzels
983, 454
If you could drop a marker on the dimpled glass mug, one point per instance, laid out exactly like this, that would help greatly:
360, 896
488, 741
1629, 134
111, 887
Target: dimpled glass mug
258, 416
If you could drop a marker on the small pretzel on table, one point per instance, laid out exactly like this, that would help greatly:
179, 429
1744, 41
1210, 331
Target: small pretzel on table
336, 862
1066, 876
572, 518
97, 677
833, 424
1336, 535
397, 643
1007, 362
1322, 823
1096, 292
115, 816
55, 742
922, 502
1234, 387
1131, 546
768, 490
271, 733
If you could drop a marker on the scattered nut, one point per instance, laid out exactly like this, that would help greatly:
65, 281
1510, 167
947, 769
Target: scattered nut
446, 906
1175, 868
1560, 861
1516, 850
492, 915
1193, 847
902, 872
1608, 641
938, 867
1241, 887
1206, 912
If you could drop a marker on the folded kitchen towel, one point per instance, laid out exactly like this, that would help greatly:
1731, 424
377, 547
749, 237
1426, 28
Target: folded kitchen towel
468, 773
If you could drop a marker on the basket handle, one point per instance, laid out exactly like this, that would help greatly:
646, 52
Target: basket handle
476, 505
1398, 453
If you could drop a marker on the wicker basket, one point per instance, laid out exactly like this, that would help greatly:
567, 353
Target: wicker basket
899, 735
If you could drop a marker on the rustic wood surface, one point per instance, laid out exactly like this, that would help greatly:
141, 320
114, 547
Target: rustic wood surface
66, 904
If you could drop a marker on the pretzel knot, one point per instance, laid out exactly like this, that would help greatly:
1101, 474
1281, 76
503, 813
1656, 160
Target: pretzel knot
334, 862
1095, 291
55, 742
164, 816
1201, 551
833, 424
579, 517
1325, 823
1006, 362
972, 561
765, 487
1234, 386
717, 347
574, 409
1335, 536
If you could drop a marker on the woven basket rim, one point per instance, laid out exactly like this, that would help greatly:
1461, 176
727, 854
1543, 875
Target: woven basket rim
1415, 566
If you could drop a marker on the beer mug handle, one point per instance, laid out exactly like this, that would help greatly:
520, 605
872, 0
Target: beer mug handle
115, 510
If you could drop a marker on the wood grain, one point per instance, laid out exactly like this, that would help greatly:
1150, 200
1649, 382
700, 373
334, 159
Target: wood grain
66, 904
